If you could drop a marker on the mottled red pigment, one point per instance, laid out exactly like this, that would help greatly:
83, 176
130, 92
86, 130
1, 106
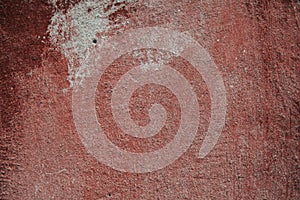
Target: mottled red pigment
255, 45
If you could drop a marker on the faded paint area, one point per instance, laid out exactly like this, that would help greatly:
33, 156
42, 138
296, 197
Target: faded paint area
181, 45
76, 31
255, 45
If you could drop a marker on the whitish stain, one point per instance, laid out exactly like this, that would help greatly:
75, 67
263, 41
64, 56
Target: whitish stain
74, 33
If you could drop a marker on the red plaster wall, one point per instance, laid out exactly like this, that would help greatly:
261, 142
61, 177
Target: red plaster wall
255, 45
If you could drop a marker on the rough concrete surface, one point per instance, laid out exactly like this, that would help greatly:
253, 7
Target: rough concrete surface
44, 48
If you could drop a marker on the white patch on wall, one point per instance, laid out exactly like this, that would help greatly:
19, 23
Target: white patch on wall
72, 33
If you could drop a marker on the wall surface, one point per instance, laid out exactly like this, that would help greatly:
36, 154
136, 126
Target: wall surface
246, 94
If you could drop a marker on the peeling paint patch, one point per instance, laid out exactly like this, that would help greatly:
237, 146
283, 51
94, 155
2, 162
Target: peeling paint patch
74, 33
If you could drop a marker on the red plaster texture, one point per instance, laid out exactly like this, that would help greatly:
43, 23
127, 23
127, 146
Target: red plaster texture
255, 45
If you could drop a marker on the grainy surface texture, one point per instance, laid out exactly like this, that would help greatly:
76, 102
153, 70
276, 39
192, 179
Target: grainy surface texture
255, 46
